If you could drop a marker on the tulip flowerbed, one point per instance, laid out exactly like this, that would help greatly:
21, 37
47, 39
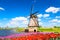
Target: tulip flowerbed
33, 36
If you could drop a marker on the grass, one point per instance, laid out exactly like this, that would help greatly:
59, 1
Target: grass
56, 30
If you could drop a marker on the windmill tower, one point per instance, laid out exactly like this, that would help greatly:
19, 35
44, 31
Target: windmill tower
33, 21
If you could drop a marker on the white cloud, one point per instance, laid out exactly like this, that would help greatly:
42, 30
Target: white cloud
39, 19
46, 15
43, 15
18, 21
57, 17
2, 8
39, 15
40, 23
52, 9
59, 21
19, 18
55, 21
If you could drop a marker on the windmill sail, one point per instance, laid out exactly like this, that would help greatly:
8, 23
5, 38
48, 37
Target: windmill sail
31, 10
32, 7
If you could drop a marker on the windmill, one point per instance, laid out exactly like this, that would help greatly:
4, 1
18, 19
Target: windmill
33, 21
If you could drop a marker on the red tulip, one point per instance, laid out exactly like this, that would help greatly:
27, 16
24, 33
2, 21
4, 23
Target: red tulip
35, 37
53, 35
58, 35
47, 36
28, 37
41, 37
13, 38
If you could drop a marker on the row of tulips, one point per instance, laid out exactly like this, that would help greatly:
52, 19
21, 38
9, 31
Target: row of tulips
50, 36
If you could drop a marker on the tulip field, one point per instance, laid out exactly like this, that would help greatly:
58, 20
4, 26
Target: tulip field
33, 36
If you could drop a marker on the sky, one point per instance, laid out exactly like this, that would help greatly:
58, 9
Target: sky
15, 13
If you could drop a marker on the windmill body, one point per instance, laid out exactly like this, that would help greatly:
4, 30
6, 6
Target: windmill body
33, 23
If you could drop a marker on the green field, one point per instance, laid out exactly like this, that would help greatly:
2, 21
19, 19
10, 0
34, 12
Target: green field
56, 30
40, 29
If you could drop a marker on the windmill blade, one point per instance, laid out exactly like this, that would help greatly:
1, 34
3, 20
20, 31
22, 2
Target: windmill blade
35, 12
32, 7
31, 10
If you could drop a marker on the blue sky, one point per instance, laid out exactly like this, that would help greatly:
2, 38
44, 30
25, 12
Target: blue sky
16, 12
